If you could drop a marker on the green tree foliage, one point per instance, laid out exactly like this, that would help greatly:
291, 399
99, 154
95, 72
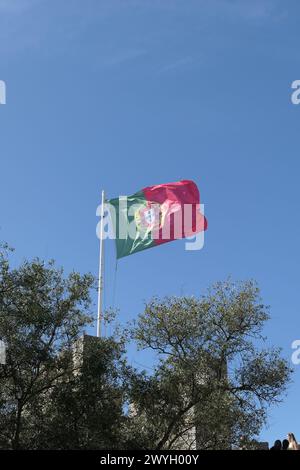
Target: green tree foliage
215, 377
41, 315
212, 384
85, 409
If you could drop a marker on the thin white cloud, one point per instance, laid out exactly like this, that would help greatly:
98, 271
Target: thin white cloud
123, 57
177, 64
239, 9
30, 24
254, 9
17, 6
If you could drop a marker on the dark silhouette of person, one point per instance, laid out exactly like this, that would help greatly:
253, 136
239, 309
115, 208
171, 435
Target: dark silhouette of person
277, 445
285, 444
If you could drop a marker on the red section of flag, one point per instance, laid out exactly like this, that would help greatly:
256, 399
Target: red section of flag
180, 210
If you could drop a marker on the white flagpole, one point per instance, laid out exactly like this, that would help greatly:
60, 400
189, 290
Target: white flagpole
2, 353
101, 269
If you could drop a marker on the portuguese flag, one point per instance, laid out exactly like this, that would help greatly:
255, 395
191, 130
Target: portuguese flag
156, 215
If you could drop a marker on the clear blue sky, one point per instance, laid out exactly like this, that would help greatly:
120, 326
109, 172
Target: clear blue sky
121, 94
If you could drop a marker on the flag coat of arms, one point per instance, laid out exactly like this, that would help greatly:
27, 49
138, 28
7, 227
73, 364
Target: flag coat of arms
156, 215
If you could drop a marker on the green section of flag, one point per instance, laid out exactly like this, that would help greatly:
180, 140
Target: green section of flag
129, 238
